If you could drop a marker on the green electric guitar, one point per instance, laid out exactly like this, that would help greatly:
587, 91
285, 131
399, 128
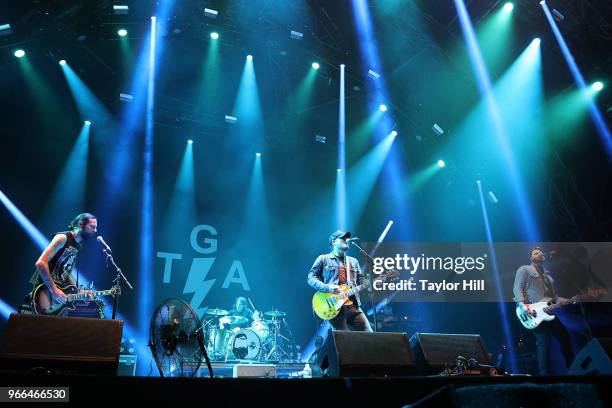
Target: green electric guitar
327, 305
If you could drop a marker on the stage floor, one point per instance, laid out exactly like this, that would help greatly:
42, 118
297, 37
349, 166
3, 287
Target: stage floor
525, 391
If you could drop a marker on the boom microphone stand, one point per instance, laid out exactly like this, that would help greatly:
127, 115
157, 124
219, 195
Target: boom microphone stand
117, 281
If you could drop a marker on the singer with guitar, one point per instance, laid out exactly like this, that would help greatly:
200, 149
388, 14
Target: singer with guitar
533, 284
55, 265
331, 273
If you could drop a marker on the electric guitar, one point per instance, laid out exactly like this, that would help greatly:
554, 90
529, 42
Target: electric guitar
543, 310
327, 305
72, 293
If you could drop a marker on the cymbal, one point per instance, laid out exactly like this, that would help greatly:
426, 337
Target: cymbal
235, 320
216, 312
275, 313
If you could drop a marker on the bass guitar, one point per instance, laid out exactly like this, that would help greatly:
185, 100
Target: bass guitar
532, 315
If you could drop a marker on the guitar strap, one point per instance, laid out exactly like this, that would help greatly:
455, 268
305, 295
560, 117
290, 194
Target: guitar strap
347, 266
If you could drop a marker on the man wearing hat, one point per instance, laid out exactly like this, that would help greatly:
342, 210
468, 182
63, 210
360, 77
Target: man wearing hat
336, 268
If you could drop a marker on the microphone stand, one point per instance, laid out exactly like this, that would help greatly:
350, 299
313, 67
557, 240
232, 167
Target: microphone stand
371, 293
117, 281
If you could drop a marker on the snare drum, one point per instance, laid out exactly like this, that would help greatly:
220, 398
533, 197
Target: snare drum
245, 345
261, 328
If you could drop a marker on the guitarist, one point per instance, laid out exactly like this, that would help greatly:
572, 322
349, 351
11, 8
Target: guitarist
55, 264
333, 269
533, 283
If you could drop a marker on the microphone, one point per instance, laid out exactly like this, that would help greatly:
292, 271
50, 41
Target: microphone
356, 239
103, 243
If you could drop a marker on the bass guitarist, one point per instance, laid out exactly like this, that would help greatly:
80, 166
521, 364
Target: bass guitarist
333, 269
55, 264
533, 283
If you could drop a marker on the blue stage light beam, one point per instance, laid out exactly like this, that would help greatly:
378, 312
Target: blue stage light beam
501, 305
256, 217
33, 232
88, 104
146, 215
68, 195
363, 176
528, 223
132, 124
341, 202
6, 309
393, 172
182, 208
247, 109
598, 120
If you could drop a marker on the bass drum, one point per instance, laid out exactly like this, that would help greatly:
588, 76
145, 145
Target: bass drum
245, 345
261, 328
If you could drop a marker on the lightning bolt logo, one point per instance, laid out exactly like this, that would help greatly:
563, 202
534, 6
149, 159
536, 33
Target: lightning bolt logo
197, 284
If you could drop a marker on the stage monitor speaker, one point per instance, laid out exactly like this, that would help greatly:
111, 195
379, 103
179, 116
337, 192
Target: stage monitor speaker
594, 358
365, 354
433, 352
70, 345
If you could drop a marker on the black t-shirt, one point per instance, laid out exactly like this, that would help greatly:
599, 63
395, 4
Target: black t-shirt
62, 263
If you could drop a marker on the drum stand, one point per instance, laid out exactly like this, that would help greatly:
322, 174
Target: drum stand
276, 351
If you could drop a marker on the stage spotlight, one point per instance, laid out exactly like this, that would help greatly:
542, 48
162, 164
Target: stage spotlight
437, 129
214, 35
508, 7
393, 133
20, 53
536, 41
373, 74
5, 29
382, 107
62, 62
230, 119
249, 57
296, 35
315, 65
122, 32
441, 163
542, 2
190, 141
126, 97
88, 122
210, 13
597, 86
258, 154
338, 170
121, 9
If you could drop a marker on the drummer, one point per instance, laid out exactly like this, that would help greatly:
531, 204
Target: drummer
241, 309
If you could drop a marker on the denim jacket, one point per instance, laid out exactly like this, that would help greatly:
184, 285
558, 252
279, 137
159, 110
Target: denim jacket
325, 271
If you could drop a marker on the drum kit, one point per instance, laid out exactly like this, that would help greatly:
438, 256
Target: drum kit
267, 338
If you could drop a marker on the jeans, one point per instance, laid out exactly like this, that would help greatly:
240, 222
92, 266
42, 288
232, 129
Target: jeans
351, 317
544, 334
